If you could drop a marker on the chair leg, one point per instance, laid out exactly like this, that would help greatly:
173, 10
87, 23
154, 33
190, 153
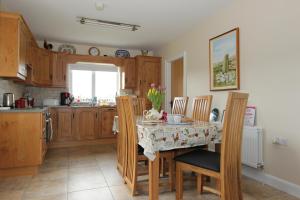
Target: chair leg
218, 185
171, 173
179, 183
200, 179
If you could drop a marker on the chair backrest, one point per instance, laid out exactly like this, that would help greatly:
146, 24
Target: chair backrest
121, 136
201, 108
139, 106
131, 142
231, 146
180, 105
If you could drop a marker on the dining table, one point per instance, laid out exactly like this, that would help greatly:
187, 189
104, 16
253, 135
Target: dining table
162, 136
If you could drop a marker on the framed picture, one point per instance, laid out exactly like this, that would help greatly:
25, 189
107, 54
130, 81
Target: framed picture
224, 62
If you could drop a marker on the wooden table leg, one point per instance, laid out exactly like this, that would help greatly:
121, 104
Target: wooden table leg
154, 178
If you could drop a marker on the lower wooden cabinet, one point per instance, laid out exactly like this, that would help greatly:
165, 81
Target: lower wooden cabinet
80, 124
22, 140
64, 125
85, 123
106, 122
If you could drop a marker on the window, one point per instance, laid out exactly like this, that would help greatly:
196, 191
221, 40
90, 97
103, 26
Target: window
94, 80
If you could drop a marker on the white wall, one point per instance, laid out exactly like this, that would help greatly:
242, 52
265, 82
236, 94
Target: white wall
270, 59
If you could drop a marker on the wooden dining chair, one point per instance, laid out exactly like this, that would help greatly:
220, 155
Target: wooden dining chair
201, 108
133, 154
139, 104
180, 105
224, 167
121, 137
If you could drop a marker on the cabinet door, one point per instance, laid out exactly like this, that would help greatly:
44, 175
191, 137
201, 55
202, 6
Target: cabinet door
64, 124
22, 50
45, 68
107, 119
129, 74
85, 123
58, 70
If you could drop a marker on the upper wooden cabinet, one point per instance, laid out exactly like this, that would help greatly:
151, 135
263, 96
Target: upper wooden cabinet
148, 71
15, 38
85, 125
58, 69
128, 73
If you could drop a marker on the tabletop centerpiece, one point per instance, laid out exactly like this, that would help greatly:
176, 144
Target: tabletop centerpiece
156, 96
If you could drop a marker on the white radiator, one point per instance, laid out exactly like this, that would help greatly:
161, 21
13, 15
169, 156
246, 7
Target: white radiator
252, 149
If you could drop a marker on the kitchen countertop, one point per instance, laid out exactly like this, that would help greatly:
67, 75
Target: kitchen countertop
82, 106
27, 110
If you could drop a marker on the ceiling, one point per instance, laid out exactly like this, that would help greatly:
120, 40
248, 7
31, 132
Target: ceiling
161, 20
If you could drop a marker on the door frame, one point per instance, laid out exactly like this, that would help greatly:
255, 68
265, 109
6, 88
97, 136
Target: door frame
168, 66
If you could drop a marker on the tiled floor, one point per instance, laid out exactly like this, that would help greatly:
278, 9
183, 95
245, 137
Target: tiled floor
89, 173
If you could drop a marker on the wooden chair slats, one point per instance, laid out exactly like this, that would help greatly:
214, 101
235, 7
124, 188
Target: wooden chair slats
139, 106
229, 178
121, 137
180, 105
201, 108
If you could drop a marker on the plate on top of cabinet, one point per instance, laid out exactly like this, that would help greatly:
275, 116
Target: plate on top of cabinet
122, 53
66, 48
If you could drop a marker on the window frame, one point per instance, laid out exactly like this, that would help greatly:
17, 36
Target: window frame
93, 67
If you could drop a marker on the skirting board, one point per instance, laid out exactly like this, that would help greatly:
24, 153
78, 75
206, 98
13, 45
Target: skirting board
273, 181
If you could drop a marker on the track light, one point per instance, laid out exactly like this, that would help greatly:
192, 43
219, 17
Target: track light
109, 24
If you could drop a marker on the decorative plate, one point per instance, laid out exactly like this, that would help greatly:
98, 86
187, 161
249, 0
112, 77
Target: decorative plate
122, 53
180, 123
94, 51
66, 48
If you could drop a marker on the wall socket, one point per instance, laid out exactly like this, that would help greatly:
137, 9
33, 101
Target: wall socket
280, 141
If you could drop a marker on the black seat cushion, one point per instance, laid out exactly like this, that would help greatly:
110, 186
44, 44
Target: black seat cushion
140, 150
201, 158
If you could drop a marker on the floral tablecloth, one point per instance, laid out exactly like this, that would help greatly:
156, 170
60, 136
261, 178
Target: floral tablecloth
163, 136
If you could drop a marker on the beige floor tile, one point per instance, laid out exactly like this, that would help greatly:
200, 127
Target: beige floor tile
82, 162
11, 195
112, 175
49, 197
51, 174
44, 188
85, 178
121, 192
94, 194
14, 183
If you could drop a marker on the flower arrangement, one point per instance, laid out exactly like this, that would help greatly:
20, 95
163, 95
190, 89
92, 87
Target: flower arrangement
156, 96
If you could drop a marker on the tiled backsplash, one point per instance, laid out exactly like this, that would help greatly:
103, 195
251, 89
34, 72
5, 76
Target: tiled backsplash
10, 86
44, 93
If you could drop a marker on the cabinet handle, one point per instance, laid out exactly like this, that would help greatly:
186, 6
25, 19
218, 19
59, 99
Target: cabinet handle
96, 115
51, 77
140, 82
73, 115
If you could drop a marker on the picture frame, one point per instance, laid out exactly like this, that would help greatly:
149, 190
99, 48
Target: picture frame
224, 61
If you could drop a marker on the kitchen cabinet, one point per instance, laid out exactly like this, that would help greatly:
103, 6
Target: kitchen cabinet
148, 72
128, 73
85, 124
59, 68
14, 40
22, 142
106, 122
64, 125
44, 70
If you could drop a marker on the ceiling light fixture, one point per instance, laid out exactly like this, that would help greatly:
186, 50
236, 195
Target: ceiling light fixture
109, 24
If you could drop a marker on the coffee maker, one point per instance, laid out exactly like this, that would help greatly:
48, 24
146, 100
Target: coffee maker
66, 98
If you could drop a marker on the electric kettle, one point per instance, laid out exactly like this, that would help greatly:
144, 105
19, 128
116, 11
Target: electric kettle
8, 100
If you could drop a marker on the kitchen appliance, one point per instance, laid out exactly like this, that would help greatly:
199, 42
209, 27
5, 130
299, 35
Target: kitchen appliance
49, 129
66, 98
8, 100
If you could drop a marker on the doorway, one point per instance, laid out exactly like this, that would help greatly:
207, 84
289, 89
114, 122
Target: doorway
175, 79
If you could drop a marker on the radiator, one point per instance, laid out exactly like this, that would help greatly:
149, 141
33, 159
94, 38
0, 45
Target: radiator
252, 149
